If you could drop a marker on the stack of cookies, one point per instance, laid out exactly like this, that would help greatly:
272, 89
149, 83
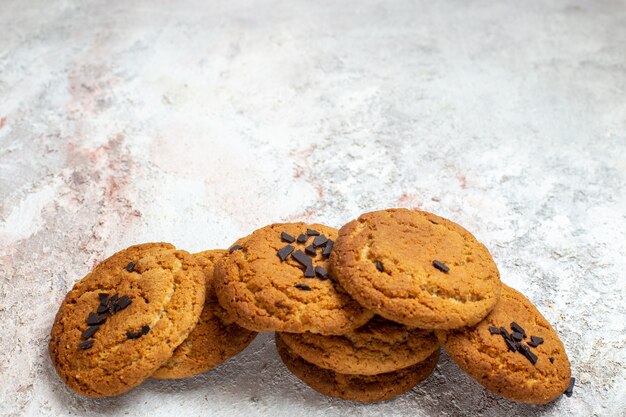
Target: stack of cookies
358, 313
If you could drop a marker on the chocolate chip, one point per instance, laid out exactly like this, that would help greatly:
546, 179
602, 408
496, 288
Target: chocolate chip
87, 344
133, 335
328, 248
303, 287
124, 302
309, 272
517, 336
287, 237
89, 332
93, 319
517, 328
113, 303
505, 333
551, 359
379, 266
494, 330
511, 344
302, 238
234, 248
535, 341
570, 388
301, 258
312, 232
145, 329
440, 266
102, 309
104, 298
310, 250
283, 253
130, 267
321, 272
320, 241
525, 350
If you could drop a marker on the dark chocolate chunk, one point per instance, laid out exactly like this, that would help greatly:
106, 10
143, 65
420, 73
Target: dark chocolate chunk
87, 344
130, 267
234, 248
570, 388
328, 248
283, 253
379, 266
145, 329
312, 232
517, 328
517, 336
285, 237
511, 344
303, 287
321, 272
551, 359
440, 266
93, 319
309, 272
525, 350
89, 332
301, 258
505, 333
320, 241
133, 335
104, 298
302, 238
310, 250
113, 303
124, 302
102, 309
494, 330
535, 341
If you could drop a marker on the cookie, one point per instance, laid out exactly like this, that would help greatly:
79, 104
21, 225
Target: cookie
277, 279
416, 268
361, 388
123, 320
214, 339
486, 351
378, 347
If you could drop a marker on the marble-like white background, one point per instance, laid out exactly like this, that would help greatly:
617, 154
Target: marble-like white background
196, 122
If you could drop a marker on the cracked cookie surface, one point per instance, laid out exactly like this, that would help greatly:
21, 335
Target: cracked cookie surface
386, 261
166, 289
486, 357
215, 338
378, 347
264, 293
361, 388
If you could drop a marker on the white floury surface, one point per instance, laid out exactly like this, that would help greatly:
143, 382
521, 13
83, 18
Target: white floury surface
196, 122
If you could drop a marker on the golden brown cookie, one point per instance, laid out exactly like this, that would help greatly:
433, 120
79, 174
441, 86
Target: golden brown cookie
277, 279
416, 268
378, 347
124, 319
361, 388
214, 339
486, 353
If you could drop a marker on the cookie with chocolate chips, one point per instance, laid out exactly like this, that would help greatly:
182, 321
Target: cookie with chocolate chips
123, 320
378, 347
215, 338
416, 268
271, 283
361, 388
514, 351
